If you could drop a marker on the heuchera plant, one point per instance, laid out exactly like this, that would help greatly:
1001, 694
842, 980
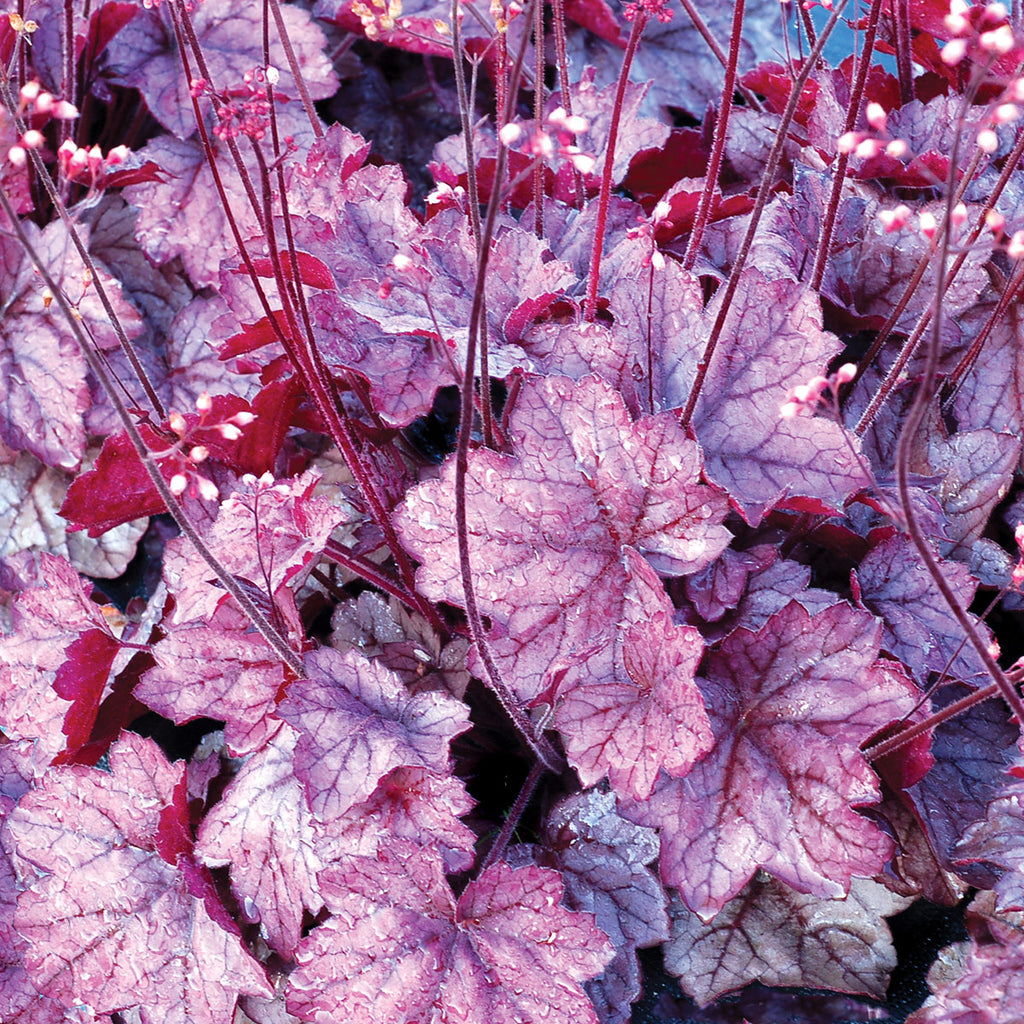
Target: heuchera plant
581, 514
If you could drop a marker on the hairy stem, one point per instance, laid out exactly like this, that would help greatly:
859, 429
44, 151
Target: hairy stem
604, 197
709, 194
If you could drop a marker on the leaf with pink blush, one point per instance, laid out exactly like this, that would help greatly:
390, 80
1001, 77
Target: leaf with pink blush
434, 291
976, 983
220, 669
789, 706
267, 533
649, 718
506, 951
262, 830
773, 935
45, 395
105, 914
972, 752
357, 722
45, 694
556, 527
184, 216
145, 55
20, 1000
414, 805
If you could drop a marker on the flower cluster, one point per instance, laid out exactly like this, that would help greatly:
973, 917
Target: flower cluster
377, 16
244, 110
657, 8
819, 392
981, 32
554, 140
186, 456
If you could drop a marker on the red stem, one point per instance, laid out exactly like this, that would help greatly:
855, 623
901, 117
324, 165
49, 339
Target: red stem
604, 197
839, 171
710, 190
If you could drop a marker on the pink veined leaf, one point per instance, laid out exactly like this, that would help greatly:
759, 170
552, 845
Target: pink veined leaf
356, 723
262, 829
918, 626
46, 396
20, 1001
114, 908
773, 935
266, 533
972, 751
976, 983
596, 106
789, 707
650, 717
773, 341
414, 805
220, 669
434, 292
556, 528
145, 55
505, 952
604, 861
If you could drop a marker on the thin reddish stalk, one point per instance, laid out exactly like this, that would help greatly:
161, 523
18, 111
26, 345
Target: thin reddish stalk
904, 57
892, 377
473, 191
1009, 297
604, 196
763, 194
515, 815
319, 391
183, 29
538, 744
931, 722
711, 191
562, 60
538, 117
708, 36
828, 222
293, 66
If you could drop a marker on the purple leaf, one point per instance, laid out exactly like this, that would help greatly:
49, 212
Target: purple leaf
918, 626
505, 952
604, 863
45, 396
773, 341
216, 670
49, 620
262, 830
146, 56
412, 805
651, 717
105, 915
357, 723
585, 491
789, 706
266, 533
